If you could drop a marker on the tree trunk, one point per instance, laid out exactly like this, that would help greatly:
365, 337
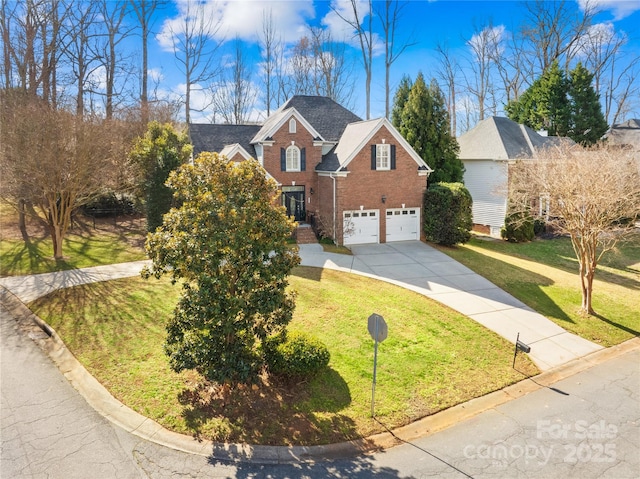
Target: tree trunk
22, 223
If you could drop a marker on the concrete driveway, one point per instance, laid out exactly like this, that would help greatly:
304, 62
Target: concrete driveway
425, 270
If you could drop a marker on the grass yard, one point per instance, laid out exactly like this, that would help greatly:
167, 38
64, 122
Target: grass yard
544, 275
432, 359
110, 241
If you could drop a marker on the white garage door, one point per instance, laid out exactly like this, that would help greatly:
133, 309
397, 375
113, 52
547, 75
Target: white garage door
361, 226
403, 224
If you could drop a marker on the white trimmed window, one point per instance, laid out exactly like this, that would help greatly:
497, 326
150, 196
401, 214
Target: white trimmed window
293, 158
292, 125
383, 157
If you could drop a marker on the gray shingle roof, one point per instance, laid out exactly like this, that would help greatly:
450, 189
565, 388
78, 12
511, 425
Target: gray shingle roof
498, 138
625, 134
207, 137
325, 115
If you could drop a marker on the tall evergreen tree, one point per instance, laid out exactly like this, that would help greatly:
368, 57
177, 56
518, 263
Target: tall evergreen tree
545, 105
160, 151
400, 98
588, 122
423, 121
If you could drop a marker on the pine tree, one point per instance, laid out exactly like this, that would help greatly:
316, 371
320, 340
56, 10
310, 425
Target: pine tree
423, 121
400, 98
545, 105
588, 122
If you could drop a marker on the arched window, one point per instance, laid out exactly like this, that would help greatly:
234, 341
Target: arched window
293, 158
292, 125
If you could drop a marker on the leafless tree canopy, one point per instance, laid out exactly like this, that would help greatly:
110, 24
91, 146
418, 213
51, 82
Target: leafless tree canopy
591, 195
55, 160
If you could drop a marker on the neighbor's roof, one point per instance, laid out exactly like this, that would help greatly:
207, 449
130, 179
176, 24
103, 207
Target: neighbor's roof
498, 138
208, 137
627, 133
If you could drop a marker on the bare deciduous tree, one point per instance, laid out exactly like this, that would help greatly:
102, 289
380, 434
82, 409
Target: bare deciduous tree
109, 53
54, 160
269, 46
552, 31
448, 73
194, 46
234, 96
591, 195
390, 15
144, 10
81, 36
364, 33
484, 44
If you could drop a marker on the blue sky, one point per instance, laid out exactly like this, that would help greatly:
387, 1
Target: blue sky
426, 23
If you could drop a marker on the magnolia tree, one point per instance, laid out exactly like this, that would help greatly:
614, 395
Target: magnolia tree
591, 195
227, 244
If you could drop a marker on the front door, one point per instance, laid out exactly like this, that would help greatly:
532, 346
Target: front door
293, 199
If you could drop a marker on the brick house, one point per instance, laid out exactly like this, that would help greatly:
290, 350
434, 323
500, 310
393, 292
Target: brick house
360, 181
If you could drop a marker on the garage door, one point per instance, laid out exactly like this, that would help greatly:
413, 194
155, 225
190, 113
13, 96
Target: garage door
361, 226
403, 224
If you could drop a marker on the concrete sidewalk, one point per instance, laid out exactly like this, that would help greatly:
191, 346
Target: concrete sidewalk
412, 265
31, 287
425, 270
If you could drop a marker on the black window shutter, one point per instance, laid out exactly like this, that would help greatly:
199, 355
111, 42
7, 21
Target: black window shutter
393, 157
283, 159
373, 157
303, 159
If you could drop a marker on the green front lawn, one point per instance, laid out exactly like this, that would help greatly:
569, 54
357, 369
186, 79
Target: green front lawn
109, 241
432, 359
544, 275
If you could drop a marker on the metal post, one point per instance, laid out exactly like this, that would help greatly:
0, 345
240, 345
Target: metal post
515, 352
375, 364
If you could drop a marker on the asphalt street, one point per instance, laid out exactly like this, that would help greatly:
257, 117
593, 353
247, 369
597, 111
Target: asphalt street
585, 426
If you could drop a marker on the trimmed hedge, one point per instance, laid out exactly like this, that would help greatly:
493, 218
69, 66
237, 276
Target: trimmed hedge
447, 213
297, 356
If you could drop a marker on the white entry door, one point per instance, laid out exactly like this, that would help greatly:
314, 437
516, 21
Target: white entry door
403, 224
361, 226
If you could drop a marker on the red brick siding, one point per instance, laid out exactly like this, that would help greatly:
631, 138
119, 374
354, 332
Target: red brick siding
365, 187
308, 178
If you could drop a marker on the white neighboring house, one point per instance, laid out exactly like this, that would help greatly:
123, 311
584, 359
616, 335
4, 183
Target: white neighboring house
486, 151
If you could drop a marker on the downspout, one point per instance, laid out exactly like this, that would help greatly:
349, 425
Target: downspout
334, 206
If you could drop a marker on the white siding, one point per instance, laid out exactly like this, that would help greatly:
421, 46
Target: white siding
486, 180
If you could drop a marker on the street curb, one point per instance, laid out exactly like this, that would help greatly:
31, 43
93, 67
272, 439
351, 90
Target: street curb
109, 407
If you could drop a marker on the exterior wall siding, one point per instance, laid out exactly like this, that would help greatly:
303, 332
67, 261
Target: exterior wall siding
486, 180
366, 187
308, 178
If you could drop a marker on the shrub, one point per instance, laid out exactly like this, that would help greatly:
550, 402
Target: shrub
109, 204
447, 213
539, 226
518, 228
296, 356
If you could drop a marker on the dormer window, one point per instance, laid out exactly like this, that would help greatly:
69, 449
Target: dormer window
292, 125
293, 156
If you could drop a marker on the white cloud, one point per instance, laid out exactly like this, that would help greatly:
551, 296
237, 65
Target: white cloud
155, 75
619, 8
336, 22
490, 37
597, 36
240, 18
